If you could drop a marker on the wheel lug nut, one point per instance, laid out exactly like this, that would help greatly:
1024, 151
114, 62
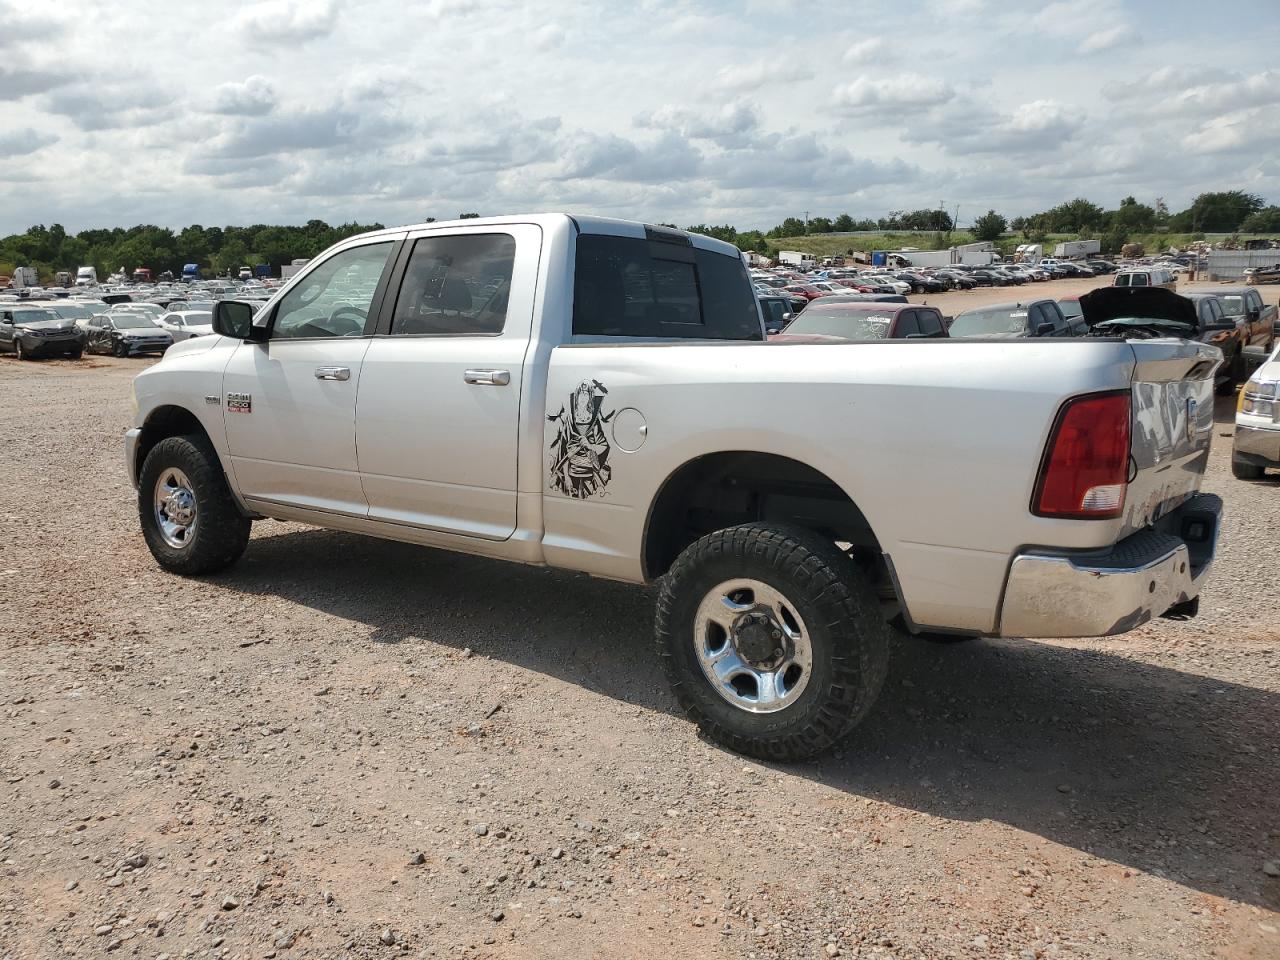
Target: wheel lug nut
777, 652
777, 634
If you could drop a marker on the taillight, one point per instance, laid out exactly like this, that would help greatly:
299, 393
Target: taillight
1086, 466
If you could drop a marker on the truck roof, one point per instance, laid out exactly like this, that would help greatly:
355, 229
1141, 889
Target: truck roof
607, 226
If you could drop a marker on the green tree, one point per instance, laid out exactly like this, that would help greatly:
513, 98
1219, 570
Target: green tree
1221, 212
989, 226
1266, 220
843, 223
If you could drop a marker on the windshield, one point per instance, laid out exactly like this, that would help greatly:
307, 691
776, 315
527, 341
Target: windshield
72, 311
982, 323
832, 321
33, 316
134, 322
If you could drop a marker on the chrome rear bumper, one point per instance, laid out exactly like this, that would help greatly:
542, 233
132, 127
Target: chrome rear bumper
1101, 594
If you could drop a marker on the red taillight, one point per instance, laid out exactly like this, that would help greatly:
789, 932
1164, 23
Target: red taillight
1086, 467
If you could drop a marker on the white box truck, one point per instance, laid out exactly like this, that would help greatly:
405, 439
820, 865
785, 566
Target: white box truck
1075, 249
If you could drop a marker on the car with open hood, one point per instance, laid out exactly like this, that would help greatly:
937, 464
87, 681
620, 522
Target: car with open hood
1149, 312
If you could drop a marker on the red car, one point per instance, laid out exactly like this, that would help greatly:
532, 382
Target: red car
853, 285
806, 290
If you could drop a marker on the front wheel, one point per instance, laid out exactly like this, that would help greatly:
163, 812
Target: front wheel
772, 640
120, 350
19, 351
188, 516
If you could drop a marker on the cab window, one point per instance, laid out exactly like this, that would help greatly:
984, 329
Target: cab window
334, 299
456, 286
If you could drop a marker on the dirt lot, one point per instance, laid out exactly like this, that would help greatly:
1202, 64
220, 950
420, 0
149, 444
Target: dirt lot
954, 301
350, 748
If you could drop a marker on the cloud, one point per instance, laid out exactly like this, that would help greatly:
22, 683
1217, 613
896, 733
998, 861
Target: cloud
753, 76
251, 98
19, 143
731, 125
316, 128
970, 128
273, 22
893, 95
548, 37
1104, 39
100, 104
19, 81
866, 50
608, 156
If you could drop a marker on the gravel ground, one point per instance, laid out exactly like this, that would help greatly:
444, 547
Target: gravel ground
351, 748
954, 301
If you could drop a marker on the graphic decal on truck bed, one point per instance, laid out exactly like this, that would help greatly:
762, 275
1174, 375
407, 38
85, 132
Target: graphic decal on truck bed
580, 449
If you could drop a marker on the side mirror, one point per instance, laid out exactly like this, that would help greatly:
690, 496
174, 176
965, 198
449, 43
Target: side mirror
1254, 314
232, 318
1044, 329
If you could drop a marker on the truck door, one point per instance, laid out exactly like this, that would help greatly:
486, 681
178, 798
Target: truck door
438, 417
289, 404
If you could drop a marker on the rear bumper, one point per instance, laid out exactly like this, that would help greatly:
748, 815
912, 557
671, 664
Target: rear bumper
1101, 594
1257, 445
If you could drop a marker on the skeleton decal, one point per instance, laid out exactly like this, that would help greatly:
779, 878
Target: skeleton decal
580, 449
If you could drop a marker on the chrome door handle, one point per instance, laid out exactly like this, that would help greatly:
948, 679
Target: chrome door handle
333, 373
488, 378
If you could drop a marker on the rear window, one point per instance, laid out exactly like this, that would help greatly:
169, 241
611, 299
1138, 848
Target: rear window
831, 320
627, 287
984, 323
1133, 280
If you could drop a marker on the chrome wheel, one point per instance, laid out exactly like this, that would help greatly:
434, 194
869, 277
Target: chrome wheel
753, 646
175, 508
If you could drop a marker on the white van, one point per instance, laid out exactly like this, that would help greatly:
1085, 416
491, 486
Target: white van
1154, 277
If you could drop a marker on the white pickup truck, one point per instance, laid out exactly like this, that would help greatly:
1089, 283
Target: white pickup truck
598, 395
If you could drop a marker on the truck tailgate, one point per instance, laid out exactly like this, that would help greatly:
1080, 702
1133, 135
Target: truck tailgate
1172, 402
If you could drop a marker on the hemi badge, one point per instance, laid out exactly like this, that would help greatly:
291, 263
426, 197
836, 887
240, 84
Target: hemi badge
213, 401
239, 403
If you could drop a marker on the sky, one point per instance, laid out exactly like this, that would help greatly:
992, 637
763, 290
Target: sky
681, 111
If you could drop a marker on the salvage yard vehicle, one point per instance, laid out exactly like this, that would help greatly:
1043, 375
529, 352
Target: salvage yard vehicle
30, 332
1145, 278
185, 324
853, 320
776, 311
1033, 318
1247, 304
1254, 275
127, 335
1256, 447
597, 395
1229, 334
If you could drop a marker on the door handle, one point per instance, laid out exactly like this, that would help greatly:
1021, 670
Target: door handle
333, 373
488, 378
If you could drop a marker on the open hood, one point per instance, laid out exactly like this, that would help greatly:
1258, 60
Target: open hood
1139, 303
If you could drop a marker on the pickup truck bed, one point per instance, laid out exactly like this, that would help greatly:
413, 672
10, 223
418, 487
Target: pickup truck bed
597, 395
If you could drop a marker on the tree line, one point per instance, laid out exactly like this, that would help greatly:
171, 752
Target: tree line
218, 250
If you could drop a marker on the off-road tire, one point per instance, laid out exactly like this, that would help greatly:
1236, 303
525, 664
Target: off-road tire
849, 638
1244, 470
221, 532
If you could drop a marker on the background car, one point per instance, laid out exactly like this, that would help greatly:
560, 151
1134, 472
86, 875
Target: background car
776, 311
126, 335
1255, 275
1256, 446
831, 319
30, 332
1009, 321
185, 324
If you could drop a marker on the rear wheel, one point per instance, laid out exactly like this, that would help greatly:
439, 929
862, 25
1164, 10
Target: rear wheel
772, 640
1244, 470
189, 518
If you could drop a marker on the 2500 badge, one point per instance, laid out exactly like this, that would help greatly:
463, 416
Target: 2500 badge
239, 403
